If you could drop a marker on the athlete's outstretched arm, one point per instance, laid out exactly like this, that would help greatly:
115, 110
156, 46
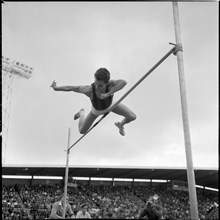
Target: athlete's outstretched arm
80, 89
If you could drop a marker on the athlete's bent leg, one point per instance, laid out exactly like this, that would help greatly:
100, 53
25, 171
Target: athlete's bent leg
129, 116
84, 122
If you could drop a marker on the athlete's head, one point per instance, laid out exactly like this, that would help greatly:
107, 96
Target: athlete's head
102, 74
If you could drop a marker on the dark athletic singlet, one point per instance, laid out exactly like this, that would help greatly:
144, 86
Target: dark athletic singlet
100, 104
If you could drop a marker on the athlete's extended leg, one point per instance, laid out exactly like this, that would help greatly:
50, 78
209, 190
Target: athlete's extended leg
129, 116
84, 122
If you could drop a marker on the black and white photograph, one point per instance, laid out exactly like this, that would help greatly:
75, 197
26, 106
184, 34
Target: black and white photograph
110, 109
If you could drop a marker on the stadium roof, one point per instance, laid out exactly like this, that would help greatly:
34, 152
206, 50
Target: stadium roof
203, 177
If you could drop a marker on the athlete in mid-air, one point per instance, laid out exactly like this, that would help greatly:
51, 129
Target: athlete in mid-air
101, 94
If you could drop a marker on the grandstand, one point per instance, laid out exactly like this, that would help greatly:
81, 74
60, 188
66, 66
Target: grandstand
106, 190
204, 177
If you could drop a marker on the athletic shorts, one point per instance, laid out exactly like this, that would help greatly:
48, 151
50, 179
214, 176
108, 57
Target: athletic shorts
101, 112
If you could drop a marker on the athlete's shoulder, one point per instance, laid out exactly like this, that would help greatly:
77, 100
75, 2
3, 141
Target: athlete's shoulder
87, 89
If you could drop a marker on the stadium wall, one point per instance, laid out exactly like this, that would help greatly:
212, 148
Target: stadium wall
51, 182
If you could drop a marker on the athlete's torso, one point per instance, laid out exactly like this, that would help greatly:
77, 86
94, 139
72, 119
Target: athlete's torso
98, 103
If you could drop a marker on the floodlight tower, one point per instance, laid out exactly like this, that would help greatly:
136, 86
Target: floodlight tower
10, 69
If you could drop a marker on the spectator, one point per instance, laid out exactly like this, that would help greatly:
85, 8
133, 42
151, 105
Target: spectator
103, 201
152, 210
83, 213
57, 210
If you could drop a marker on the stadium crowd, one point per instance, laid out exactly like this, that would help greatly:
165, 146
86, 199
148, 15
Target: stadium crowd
102, 201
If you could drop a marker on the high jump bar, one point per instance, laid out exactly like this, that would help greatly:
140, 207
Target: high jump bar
173, 50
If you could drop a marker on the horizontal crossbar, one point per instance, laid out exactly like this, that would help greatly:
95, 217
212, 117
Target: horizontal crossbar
127, 93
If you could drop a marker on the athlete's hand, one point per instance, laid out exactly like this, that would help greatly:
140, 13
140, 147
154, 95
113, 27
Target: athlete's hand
54, 85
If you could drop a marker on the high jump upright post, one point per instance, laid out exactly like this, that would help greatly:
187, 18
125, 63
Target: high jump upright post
186, 129
66, 174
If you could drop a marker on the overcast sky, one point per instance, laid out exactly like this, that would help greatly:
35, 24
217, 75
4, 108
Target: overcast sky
69, 41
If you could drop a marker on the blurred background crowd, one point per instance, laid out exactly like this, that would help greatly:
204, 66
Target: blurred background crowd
22, 201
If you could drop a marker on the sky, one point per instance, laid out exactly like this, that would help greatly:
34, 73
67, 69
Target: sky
69, 41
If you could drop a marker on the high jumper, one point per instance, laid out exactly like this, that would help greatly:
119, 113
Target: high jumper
100, 93
174, 50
